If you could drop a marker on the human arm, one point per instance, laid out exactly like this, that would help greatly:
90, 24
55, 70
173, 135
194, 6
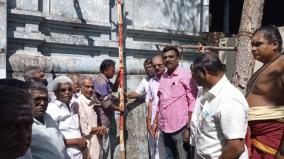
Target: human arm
186, 134
191, 93
76, 142
148, 117
85, 127
233, 123
141, 90
233, 149
280, 152
116, 108
132, 95
155, 125
107, 103
116, 83
100, 130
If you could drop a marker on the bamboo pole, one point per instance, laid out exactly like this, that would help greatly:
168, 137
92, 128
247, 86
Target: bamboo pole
121, 78
204, 47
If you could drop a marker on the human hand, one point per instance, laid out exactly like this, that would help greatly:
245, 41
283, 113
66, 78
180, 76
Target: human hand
149, 127
121, 109
154, 130
186, 135
100, 130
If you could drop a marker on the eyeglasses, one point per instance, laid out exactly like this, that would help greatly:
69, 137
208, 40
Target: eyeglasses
158, 65
39, 99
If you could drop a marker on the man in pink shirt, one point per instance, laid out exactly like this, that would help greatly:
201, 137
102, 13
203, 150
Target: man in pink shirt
177, 93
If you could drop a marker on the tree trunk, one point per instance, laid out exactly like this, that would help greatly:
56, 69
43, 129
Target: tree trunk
244, 62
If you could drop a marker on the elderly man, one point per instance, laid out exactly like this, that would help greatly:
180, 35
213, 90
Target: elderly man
103, 91
177, 93
66, 118
47, 142
154, 83
265, 95
16, 119
75, 77
89, 118
35, 72
219, 122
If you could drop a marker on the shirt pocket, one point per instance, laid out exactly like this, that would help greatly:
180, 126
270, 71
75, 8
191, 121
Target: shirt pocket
207, 122
177, 89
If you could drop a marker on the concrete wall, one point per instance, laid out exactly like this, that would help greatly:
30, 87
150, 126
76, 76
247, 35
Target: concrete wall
3, 37
76, 35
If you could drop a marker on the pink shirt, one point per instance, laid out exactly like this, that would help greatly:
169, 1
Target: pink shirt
177, 93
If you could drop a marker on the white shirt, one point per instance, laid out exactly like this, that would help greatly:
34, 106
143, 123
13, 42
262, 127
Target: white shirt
152, 94
88, 120
142, 88
221, 114
48, 134
68, 124
28, 155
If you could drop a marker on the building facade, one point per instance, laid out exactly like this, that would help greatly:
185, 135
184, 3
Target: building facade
63, 36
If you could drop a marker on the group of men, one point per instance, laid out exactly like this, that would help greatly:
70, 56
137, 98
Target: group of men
194, 113
72, 122
204, 109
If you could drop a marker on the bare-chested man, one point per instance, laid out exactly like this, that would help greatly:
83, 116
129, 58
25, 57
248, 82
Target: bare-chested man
265, 95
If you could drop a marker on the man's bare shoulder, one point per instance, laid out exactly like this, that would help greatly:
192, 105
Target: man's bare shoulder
281, 60
278, 65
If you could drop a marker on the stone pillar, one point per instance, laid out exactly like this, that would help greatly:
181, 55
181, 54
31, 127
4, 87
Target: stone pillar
3, 37
204, 16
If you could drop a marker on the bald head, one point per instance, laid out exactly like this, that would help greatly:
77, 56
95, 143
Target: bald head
158, 64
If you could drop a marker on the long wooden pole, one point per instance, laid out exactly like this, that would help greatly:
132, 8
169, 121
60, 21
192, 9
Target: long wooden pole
205, 47
121, 79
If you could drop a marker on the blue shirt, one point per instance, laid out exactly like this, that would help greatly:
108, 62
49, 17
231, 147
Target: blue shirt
102, 89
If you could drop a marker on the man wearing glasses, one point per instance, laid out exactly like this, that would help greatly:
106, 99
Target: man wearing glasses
66, 117
44, 129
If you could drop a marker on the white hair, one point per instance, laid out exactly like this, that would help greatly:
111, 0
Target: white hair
83, 78
60, 80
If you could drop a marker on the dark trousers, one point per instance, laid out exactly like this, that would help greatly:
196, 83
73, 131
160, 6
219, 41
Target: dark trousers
171, 146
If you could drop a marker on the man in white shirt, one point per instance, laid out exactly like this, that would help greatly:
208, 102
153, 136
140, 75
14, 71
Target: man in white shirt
89, 118
66, 117
219, 122
152, 107
44, 129
143, 86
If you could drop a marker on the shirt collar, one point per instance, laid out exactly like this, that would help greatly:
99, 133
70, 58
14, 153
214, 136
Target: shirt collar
76, 95
176, 71
104, 77
156, 78
38, 122
59, 103
218, 86
86, 100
